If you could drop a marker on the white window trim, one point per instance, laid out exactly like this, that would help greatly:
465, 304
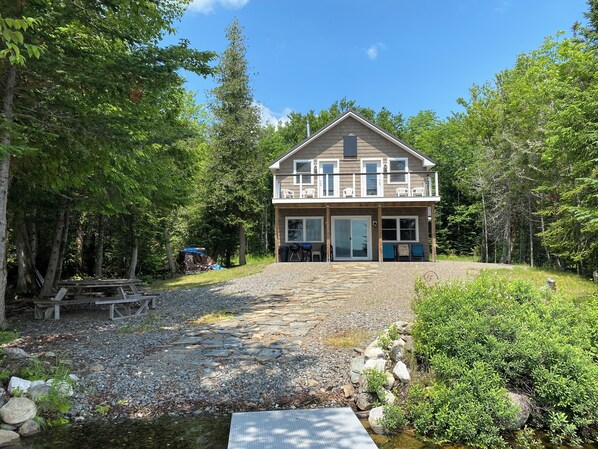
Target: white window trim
379, 177
406, 169
335, 178
311, 169
286, 231
396, 218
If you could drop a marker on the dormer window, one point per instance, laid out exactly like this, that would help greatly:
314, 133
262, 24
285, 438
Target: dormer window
303, 168
350, 146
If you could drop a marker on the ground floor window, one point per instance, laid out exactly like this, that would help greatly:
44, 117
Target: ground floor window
400, 229
304, 229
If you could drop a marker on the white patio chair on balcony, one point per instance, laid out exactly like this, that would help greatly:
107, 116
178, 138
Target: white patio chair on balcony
348, 193
402, 191
308, 193
418, 191
286, 193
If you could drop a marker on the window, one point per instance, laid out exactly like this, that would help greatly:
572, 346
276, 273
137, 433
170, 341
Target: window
304, 168
400, 229
304, 229
397, 164
350, 146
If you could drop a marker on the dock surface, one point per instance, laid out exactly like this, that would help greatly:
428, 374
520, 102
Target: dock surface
331, 428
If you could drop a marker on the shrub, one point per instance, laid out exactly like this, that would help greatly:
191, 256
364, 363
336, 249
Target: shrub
505, 334
374, 380
393, 419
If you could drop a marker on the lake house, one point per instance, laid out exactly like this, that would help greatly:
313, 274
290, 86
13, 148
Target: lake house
353, 191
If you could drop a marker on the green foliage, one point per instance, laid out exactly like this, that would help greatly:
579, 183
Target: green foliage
375, 380
393, 419
386, 338
526, 439
489, 334
7, 337
103, 409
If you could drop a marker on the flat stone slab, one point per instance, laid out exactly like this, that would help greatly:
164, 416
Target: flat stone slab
331, 428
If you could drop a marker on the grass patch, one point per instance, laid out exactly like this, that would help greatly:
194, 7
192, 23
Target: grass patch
150, 323
347, 338
254, 266
213, 317
459, 258
7, 336
569, 285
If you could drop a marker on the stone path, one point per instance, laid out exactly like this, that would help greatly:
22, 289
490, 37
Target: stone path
268, 328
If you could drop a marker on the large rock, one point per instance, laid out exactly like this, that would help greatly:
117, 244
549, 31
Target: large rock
29, 428
524, 406
8, 438
16, 353
401, 372
37, 391
374, 353
376, 414
2, 396
18, 410
386, 397
377, 364
61, 386
408, 343
357, 364
396, 352
390, 380
364, 401
16, 383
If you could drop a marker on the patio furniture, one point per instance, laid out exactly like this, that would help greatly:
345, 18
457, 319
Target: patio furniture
286, 193
308, 193
417, 251
348, 193
419, 191
294, 252
402, 191
403, 251
389, 251
306, 252
317, 253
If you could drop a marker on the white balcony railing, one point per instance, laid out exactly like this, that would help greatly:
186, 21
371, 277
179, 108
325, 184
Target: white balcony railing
394, 184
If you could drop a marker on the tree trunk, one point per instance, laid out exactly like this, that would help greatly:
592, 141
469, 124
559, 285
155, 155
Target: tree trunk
7, 109
485, 219
32, 235
242, 245
99, 248
79, 244
227, 257
171, 264
531, 235
25, 269
54, 254
134, 251
63, 246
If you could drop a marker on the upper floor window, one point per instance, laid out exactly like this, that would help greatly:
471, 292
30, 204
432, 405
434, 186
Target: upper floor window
303, 168
398, 164
350, 146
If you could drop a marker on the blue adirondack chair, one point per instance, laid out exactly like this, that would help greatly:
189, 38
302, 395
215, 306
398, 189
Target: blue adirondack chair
417, 251
388, 251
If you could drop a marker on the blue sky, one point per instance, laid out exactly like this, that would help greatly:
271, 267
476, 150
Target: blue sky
406, 55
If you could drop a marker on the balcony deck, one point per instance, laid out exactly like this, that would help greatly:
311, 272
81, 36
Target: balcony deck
351, 188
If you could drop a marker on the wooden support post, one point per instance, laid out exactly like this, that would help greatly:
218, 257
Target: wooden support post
433, 224
380, 249
328, 234
276, 234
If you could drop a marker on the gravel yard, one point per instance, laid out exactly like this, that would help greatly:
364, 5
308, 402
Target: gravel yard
277, 348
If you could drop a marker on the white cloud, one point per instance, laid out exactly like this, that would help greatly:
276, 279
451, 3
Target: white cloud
373, 50
271, 117
208, 6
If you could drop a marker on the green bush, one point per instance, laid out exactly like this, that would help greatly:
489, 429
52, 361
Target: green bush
393, 420
505, 335
374, 380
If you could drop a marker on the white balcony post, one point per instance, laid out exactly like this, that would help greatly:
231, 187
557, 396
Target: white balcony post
354, 191
275, 191
408, 184
436, 182
300, 186
429, 185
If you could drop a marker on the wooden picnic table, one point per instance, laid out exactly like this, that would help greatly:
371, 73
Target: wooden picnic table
96, 292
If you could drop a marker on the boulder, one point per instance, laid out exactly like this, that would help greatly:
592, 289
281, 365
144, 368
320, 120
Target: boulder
348, 390
18, 410
29, 428
5, 426
16, 353
377, 364
2, 396
16, 383
38, 391
8, 438
356, 368
401, 372
524, 406
374, 353
364, 401
387, 397
396, 352
408, 343
390, 380
376, 414
61, 386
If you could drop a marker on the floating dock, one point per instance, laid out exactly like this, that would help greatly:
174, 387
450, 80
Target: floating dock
330, 428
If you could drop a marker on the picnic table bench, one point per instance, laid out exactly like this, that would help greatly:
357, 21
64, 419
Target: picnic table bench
90, 292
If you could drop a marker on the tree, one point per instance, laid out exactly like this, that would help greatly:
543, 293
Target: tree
235, 166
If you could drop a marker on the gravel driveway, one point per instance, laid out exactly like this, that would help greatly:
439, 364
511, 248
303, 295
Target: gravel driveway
274, 351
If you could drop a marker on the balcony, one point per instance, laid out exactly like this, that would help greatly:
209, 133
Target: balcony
390, 186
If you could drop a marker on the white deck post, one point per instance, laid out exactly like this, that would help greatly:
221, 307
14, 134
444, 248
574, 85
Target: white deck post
436, 182
300, 186
275, 191
354, 191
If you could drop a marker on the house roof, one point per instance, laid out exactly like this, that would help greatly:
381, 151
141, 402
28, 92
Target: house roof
427, 162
